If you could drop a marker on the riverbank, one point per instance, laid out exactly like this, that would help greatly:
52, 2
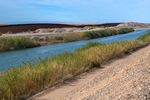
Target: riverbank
13, 43
19, 83
127, 78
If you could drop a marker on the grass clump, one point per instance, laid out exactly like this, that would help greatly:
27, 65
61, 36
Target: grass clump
90, 45
28, 79
145, 38
12, 43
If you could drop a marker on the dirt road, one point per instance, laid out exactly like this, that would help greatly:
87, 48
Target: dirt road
125, 79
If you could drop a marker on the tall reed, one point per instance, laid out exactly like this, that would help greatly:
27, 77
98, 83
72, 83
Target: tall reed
11, 43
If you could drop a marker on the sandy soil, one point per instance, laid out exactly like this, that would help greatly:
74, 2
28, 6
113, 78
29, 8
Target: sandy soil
51, 32
125, 79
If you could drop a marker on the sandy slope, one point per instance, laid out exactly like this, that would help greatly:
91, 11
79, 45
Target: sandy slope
55, 32
125, 79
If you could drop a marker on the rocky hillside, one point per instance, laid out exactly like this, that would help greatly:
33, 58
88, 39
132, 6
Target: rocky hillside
134, 25
17, 28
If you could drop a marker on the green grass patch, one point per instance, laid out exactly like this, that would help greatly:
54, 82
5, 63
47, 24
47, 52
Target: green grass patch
11, 43
90, 45
106, 32
145, 38
28, 79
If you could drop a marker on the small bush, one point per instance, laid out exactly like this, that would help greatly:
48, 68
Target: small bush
58, 38
1, 34
73, 37
90, 45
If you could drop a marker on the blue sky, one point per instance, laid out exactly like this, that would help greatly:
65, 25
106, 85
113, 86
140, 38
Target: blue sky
100, 11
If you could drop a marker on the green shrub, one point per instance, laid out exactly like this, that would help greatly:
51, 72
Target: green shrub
1, 34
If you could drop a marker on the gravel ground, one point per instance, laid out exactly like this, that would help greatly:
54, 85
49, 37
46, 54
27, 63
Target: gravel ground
127, 78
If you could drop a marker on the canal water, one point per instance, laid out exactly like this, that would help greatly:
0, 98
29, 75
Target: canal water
15, 58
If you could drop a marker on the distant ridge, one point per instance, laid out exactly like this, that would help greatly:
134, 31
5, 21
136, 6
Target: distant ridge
135, 25
33, 26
